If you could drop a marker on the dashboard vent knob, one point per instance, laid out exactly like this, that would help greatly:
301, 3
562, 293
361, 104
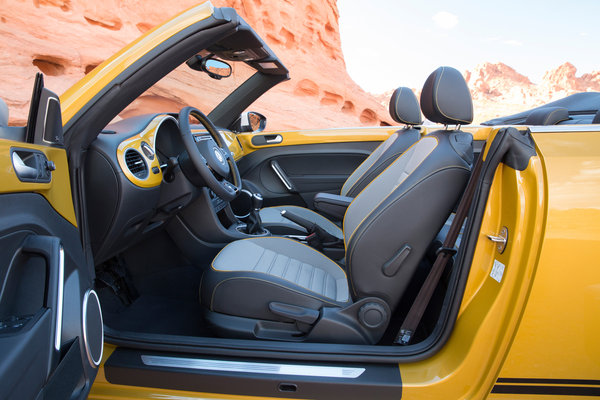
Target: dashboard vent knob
136, 164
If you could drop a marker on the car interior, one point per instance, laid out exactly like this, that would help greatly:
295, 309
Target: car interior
197, 254
202, 242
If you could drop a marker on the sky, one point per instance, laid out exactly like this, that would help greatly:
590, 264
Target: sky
391, 43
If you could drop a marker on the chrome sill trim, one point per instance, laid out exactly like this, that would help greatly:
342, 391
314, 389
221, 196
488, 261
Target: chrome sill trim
252, 367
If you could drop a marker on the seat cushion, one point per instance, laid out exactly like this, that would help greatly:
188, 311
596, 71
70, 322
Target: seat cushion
249, 274
278, 225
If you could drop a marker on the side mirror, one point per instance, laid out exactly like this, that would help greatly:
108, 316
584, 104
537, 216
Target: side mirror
216, 69
250, 121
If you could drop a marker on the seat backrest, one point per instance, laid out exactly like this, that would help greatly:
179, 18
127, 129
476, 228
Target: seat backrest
547, 116
404, 109
596, 119
389, 225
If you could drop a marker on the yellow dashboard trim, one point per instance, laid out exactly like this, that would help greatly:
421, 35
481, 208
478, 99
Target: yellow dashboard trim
148, 135
57, 191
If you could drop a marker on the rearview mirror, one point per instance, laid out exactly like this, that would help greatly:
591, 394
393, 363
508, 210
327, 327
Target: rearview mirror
250, 121
216, 69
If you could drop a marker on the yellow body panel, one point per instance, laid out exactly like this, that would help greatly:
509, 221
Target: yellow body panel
559, 336
148, 135
342, 135
57, 191
468, 364
314, 136
78, 96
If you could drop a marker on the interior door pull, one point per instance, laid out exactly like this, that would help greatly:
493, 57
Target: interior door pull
32, 165
281, 175
22, 170
273, 139
52, 250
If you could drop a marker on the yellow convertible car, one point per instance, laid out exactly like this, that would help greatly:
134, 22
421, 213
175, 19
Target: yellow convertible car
196, 255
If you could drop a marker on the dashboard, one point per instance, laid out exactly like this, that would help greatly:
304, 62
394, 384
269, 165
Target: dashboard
133, 185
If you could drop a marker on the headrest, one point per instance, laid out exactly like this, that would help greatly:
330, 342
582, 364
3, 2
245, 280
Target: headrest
547, 116
596, 119
446, 98
3, 113
404, 107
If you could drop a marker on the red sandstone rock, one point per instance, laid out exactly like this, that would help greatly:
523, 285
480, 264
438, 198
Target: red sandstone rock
65, 39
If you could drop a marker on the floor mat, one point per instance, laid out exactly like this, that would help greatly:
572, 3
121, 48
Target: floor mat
157, 314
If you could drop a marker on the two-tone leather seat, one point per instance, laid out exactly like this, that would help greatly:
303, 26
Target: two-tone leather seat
404, 109
277, 288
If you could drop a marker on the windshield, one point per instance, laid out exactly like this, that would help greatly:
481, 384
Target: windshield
187, 87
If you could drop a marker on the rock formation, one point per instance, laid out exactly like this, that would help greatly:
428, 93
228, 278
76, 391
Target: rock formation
67, 38
498, 89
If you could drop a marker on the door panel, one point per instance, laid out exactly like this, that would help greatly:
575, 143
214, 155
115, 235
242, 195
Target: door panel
42, 264
294, 174
49, 338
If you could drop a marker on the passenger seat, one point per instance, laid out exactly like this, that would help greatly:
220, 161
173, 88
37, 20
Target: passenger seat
404, 109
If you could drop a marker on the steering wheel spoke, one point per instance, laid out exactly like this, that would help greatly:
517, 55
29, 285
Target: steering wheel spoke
210, 157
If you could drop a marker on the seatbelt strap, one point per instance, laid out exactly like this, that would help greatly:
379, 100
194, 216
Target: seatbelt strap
412, 319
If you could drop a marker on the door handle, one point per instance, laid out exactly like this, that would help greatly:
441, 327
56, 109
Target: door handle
32, 165
282, 176
264, 140
22, 170
273, 139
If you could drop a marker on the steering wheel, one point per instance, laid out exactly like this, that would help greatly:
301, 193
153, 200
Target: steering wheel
210, 155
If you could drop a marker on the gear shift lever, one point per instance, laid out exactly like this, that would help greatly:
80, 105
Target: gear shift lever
254, 224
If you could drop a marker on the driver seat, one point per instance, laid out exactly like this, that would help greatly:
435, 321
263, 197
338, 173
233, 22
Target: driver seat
281, 289
404, 109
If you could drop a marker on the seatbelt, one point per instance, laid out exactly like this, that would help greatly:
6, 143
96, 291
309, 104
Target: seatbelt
412, 319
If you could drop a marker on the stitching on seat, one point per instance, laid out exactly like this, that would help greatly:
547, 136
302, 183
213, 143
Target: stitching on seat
255, 268
272, 263
365, 188
287, 265
436, 87
212, 297
372, 163
363, 177
311, 281
350, 254
297, 279
394, 188
277, 238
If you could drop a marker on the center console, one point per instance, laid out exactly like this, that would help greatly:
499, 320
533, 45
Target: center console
209, 223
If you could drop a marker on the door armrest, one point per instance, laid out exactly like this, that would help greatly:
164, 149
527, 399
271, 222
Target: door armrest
332, 204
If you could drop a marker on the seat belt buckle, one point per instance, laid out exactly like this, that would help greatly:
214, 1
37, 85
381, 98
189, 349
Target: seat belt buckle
404, 337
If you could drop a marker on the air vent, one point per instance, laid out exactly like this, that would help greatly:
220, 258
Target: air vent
136, 164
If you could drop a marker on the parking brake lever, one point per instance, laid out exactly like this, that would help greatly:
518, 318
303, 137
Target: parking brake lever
317, 236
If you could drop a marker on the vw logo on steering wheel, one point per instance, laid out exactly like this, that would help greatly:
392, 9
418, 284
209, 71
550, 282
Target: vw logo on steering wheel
219, 155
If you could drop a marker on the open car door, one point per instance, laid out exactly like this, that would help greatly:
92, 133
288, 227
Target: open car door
51, 334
